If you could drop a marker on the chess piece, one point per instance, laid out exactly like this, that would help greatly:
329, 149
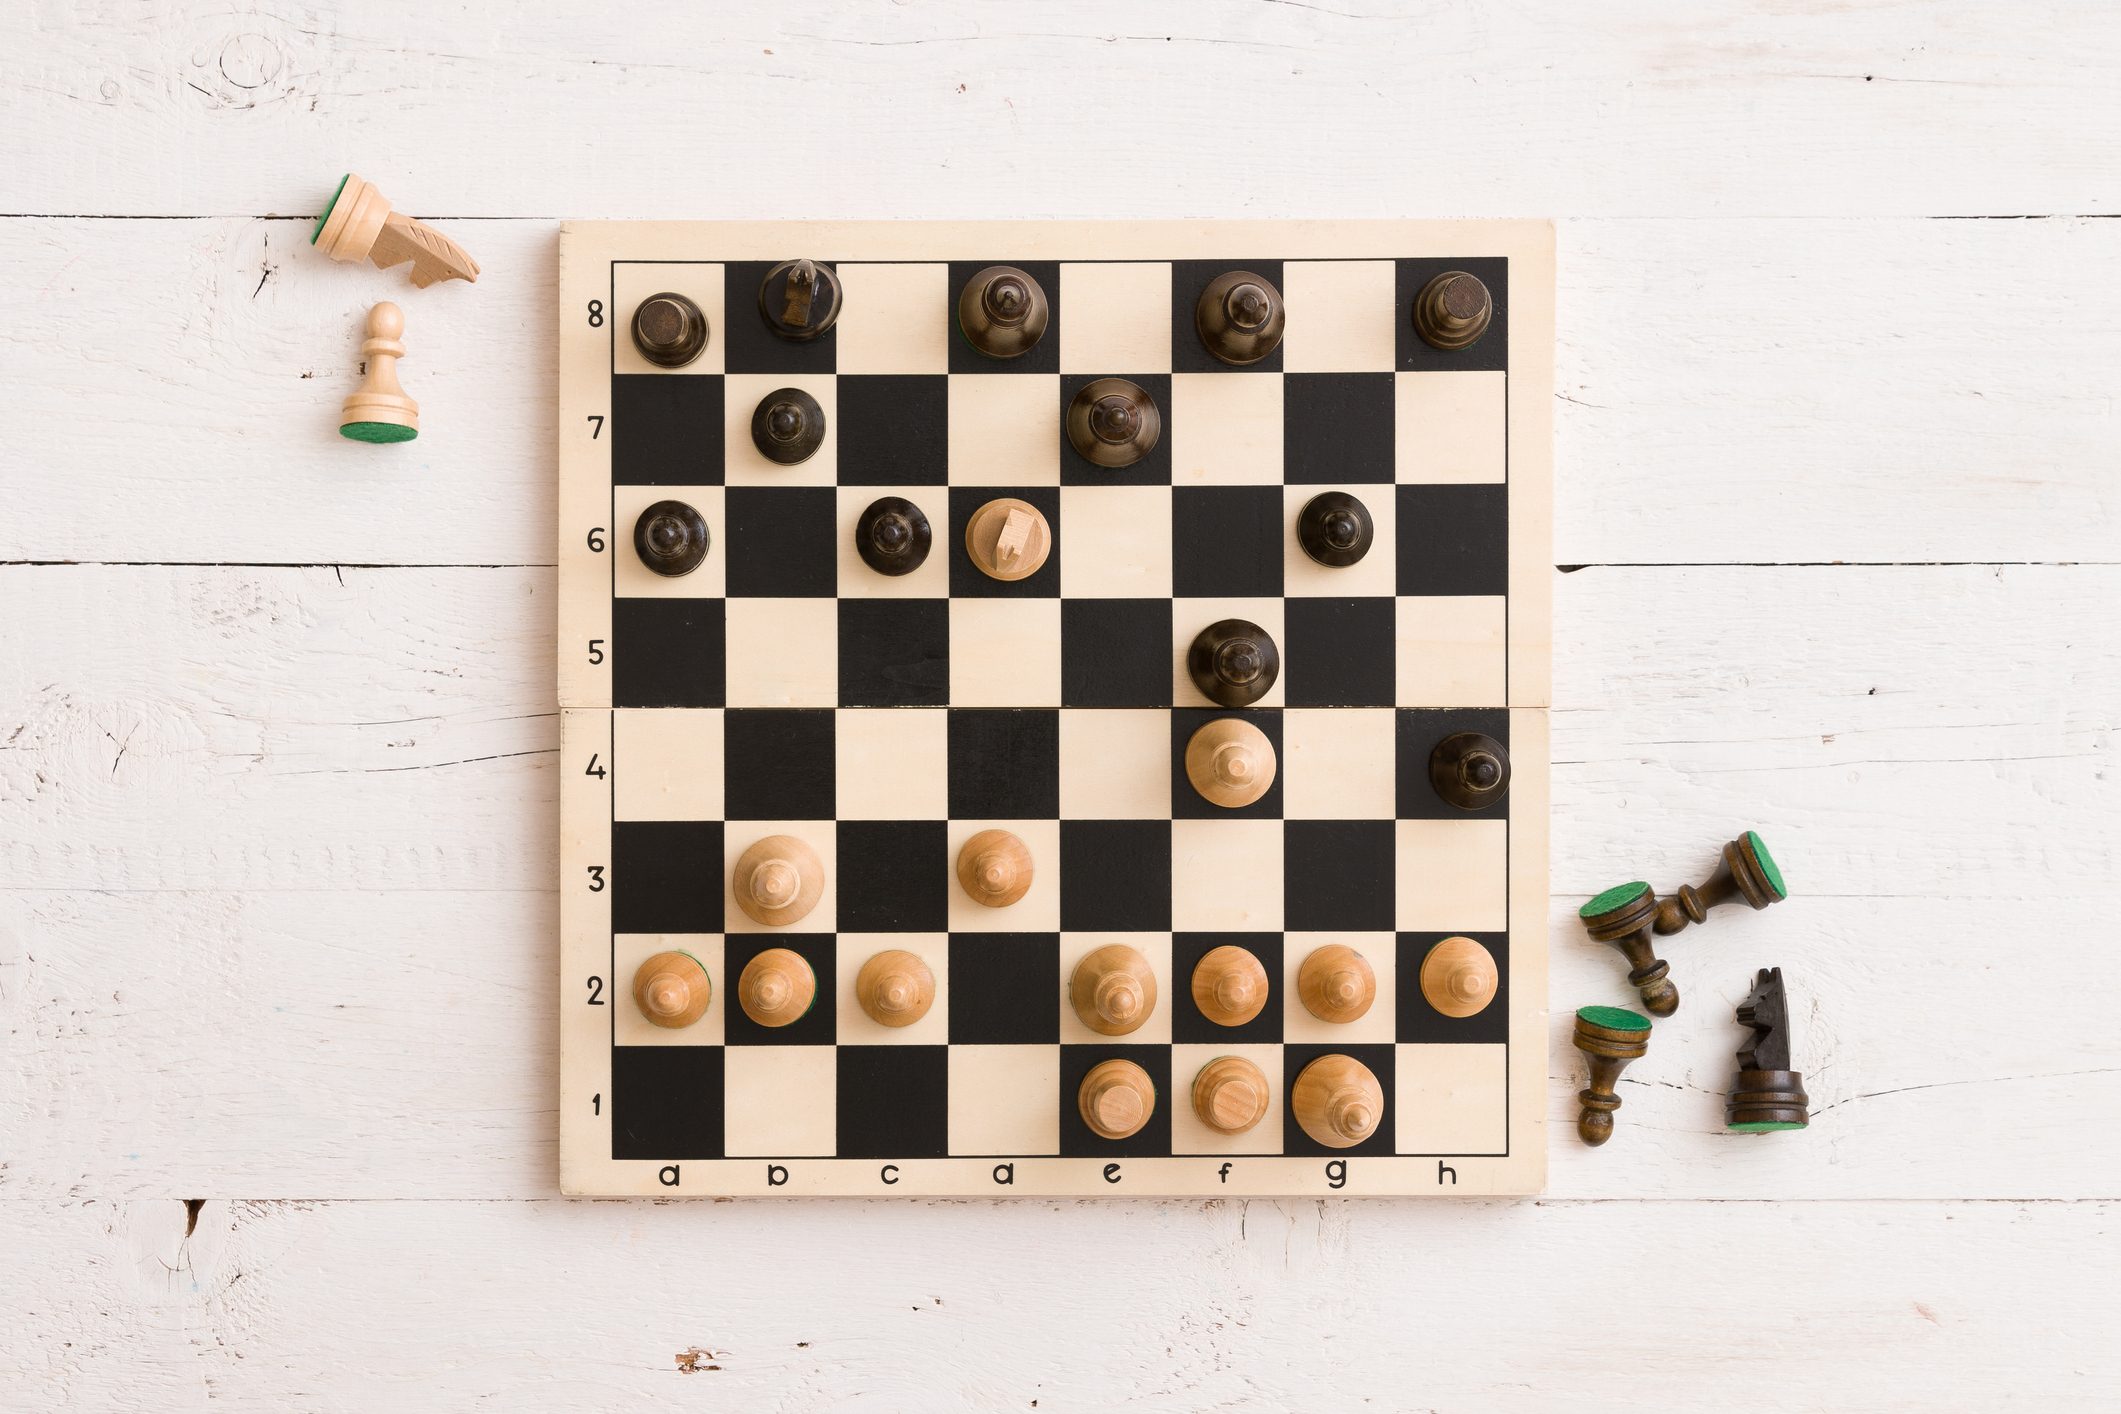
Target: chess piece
788, 426
1239, 317
1335, 529
1008, 539
669, 330
359, 223
1469, 770
1627, 916
1458, 977
671, 538
1229, 985
1003, 313
1452, 311
1116, 1099
777, 987
800, 300
1113, 423
1335, 984
994, 868
777, 881
895, 988
1610, 1037
1233, 662
378, 410
1230, 1094
1337, 1101
893, 536
1230, 762
1767, 1095
1112, 990
672, 989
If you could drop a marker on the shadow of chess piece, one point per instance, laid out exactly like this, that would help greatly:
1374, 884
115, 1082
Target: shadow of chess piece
1628, 916
1610, 1037
1767, 1095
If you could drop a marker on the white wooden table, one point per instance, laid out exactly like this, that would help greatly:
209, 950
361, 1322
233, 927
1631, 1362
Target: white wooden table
1839, 548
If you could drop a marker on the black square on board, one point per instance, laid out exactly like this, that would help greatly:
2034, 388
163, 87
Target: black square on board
1226, 541
1454, 539
1187, 1024
1115, 652
894, 652
1044, 356
1004, 989
666, 652
1492, 350
1419, 1022
1115, 876
749, 345
1188, 803
1337, 875
777, 764
893, 876
1004, 763
1415, 734
666, 430
894, 429
893, 1102
666, 1102
815, 1027
966, 579
666, 876
1076, 1139
1379, 1059
782, 541
1337, 428
1339, 652
1154, 469
1189, 278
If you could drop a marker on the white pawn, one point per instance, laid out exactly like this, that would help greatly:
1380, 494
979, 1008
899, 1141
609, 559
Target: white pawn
378, 410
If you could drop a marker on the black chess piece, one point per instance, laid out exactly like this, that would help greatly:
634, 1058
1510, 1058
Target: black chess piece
1609, 1037
1627, 916
800, 299
788, 426
1113, 423
1239, 317
1767, 1095
1470, 770
1335, 529
1452, 311
893, 536
671, 538
1233, 663
1003, 312
669, 330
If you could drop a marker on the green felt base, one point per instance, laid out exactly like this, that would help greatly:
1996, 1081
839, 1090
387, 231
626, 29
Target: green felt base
1613, 898
378, 432
1613, 1018
327, 208
1767, 864
1762, 1126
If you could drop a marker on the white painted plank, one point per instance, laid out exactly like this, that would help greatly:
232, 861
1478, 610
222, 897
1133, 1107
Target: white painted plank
1730, 392
963, 109
942, 1307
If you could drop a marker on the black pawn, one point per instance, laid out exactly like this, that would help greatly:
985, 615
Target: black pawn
893, 536
1233, 663
671, 538
669, 330
1335, 529
1469, 770
788, 426
800, 299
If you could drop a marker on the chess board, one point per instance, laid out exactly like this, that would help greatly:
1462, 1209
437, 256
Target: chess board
787, 688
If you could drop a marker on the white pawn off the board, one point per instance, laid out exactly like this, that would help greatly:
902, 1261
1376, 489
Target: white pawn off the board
378, 410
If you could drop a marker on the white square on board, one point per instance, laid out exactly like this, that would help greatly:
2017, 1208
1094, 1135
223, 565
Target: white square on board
1005, 652
783, 652
893, 319
1118, 544
780, 1102
1005, 429
1451, 651
1453, 876
1226, 429
1004, 1100
1343, 316
1115, 763
1115, 318
1450, 426
1226, 875
1337, 763
1451, 1099
666, 763
892, 763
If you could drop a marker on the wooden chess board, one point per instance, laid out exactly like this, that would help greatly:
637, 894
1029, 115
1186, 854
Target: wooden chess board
786, 688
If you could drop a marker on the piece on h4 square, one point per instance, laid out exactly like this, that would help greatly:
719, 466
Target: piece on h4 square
1609, 1037
1627, 916
788, 426
1459, 977
777, 987
1113, 423
1240, 317
671, 538
1116, 1099
1337, 1101
1230, 762
359, 223
669, 330
1003, 312
1335, 529
800, 300
1008, 539
1470, 770
1452, 311
1767, 1095
1233, 662
379, 410
671, 989
893, 535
